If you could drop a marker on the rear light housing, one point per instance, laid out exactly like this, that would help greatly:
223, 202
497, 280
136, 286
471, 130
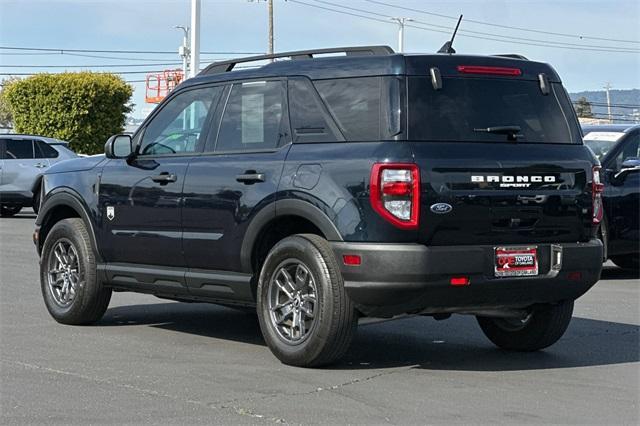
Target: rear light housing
480, 69
395, 193
597, 188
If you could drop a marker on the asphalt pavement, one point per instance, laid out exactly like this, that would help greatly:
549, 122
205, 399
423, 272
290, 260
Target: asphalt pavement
154, 361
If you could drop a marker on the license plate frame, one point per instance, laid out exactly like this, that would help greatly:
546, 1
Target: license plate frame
515, 261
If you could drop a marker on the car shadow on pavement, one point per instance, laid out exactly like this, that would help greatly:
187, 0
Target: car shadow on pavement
615, 273
419, 342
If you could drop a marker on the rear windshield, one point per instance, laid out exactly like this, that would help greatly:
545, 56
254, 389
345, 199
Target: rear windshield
462, 106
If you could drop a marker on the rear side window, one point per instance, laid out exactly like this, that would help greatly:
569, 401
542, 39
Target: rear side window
463, 105
43, 150
355, 104
18, 149
307, 115
254, 117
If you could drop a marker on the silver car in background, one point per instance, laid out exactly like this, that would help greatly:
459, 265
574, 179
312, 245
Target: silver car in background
23, 159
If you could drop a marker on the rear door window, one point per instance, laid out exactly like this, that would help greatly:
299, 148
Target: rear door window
43, 150
463, 105
254, 117
19, 149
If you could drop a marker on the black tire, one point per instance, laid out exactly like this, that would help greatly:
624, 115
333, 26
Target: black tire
9, 210
334, 320
628, 261
90, 298
542, 328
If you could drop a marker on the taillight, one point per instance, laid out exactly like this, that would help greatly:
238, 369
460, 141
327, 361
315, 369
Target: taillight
479, 69
395, 193
597, 188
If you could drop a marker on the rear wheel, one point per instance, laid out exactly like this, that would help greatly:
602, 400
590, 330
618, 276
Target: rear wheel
305, 315
9, 210
540, 329
629, 261
70, 287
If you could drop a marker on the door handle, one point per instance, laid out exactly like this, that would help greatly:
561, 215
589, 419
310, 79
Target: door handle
164, 178
250, 177
40, 165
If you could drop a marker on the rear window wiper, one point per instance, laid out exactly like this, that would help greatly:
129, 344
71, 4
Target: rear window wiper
510, 131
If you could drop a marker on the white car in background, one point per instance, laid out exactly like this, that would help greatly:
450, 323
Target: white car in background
23, 159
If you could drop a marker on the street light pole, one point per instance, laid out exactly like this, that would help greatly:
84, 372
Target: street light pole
194, 67
183, 50
401, 22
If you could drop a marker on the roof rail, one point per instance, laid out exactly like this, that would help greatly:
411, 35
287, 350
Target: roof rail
226, 66
513, 56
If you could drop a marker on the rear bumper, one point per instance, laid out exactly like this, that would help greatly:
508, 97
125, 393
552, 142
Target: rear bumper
399, 278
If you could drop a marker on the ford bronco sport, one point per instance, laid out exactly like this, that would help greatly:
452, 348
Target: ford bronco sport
325, 188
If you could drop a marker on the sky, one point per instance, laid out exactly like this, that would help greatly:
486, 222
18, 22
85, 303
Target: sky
241, 26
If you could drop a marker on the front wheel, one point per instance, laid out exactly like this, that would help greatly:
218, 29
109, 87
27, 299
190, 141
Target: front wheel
305, 315
70, 286
9, 210
540, 329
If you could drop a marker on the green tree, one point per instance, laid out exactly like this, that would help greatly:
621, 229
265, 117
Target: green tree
583, 108
6, 117
83, 108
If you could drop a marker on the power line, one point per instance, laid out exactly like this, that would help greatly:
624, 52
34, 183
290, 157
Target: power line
491, 24
465, 31
610, 50
151, 52
504, 39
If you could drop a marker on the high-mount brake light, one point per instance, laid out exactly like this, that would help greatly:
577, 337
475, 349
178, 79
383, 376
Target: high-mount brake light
597, 188
480, 69
395, 193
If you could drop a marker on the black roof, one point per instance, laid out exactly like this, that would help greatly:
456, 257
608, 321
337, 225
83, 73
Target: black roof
361, 62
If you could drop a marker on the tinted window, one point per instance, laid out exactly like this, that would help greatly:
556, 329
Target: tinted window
43, 150
631, 149
465, 104
354, 104
18, 148
176, 129
307, 115
253, 118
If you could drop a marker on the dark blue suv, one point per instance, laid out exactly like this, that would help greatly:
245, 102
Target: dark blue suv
618, 149
336, 184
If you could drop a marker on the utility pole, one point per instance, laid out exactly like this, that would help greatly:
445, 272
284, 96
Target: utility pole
270, 5
401, 22
194, 67
183, 50
607, 87
270, 40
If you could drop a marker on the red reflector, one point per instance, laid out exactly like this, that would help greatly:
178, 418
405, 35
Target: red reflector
460, 281
574, 276
351, 259
478, 69
397, 188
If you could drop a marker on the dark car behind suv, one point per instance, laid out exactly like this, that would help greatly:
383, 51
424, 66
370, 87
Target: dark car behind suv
618, 149
322, 189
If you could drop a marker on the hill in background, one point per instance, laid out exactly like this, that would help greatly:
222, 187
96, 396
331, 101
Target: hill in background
625, 104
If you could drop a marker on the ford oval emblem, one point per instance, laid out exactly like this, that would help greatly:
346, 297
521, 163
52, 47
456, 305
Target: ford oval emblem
441, 208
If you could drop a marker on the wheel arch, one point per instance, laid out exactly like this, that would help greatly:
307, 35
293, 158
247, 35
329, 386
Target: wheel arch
64, 203
299, 217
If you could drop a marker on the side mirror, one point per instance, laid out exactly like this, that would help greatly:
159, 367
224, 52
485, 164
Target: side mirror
629, 165
118, 146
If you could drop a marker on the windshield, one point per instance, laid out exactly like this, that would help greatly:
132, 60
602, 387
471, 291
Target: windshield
470, 110
602, 142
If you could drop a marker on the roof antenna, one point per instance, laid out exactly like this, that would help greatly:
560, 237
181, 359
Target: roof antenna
447, 47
